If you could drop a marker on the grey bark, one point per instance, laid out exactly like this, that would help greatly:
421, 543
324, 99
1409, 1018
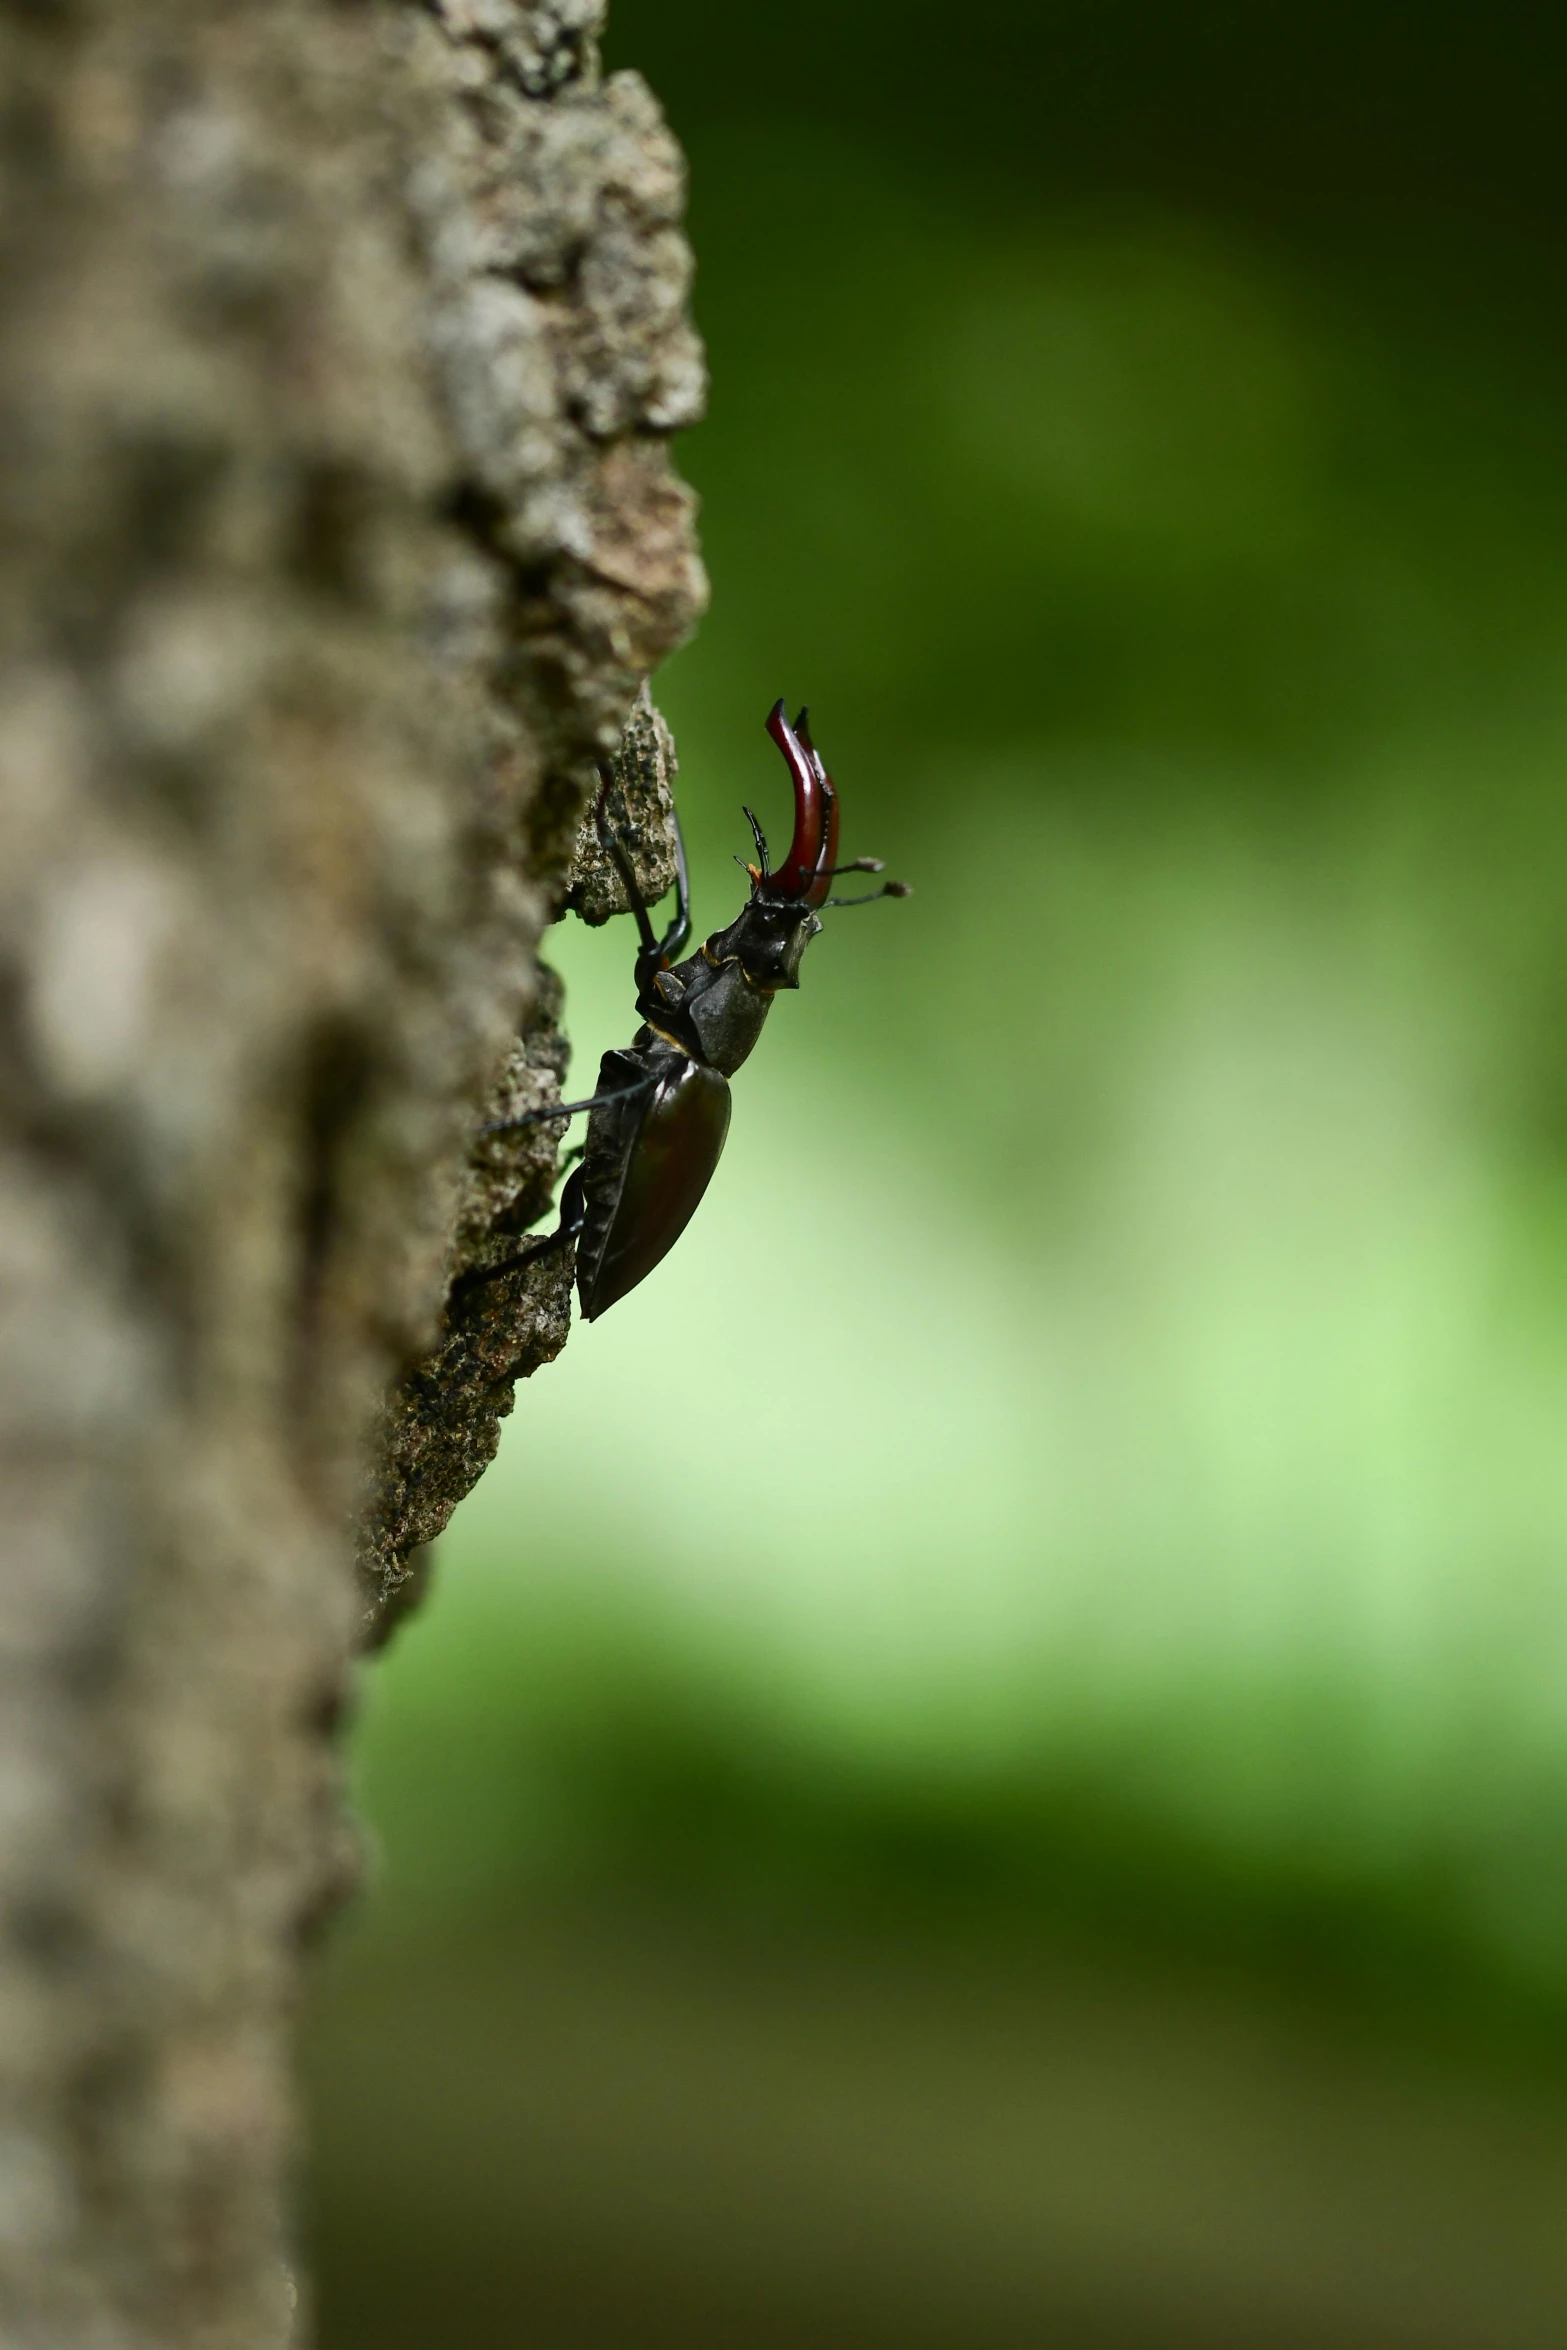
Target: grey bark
508, 1301
339, 352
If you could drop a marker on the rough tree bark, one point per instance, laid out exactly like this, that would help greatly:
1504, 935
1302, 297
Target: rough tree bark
339, 352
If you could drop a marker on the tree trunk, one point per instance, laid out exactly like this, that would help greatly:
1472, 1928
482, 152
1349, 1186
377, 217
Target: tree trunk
339, 351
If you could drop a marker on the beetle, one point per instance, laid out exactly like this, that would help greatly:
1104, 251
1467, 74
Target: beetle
658, 1121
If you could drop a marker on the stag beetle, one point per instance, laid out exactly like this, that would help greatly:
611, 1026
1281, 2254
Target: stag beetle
658, 1121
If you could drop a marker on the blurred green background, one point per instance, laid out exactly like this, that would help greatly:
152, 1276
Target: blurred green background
1085, 1860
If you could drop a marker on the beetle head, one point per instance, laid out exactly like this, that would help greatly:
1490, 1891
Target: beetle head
779, 922
767, 939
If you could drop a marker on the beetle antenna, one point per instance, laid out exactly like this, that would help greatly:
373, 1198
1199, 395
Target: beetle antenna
860, 865
889, 889
760, 838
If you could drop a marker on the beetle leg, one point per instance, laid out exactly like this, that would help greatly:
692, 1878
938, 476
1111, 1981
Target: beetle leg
615, 851
656, 952
573, 1214
564, 1109
573, 1211
675, 937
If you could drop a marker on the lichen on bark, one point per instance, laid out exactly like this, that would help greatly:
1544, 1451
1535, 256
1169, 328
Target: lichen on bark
339, 353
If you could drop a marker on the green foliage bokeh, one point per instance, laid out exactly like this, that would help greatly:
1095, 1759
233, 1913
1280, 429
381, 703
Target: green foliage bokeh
1101, 1443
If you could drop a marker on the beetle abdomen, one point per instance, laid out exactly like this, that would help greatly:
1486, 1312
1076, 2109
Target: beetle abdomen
650, 1157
